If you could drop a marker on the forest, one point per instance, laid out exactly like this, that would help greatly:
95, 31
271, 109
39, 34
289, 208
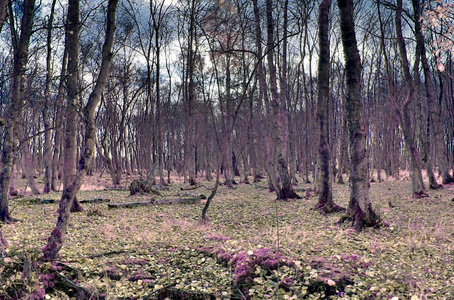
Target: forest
227, 149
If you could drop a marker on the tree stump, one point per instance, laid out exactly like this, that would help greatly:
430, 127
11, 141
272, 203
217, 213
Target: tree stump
141, 186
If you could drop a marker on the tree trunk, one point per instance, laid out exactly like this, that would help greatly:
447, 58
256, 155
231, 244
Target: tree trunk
263, 97
46, 115
189, 91
3, 5
14, 111
325, 197
157, 19
28, 164
284, 188
56, 156
405, 117
360, 208
71, 128
434, 124
55, 241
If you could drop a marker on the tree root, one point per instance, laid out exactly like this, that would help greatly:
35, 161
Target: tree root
436, 186
329, 209
80, 292
420, 195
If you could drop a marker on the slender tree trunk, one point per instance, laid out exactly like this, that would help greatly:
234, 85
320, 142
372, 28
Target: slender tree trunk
160, 142
263, 97
12, 186
325, 197
56, 157
14, 110
284, 188
359, 208
434, 123
189, 91
29, 170
55, 241
229, 171
46, 115
405, 116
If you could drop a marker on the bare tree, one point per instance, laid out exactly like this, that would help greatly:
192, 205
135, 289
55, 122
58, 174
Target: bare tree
14, 111
434, 122
73, 93
325, 198
418, 189
360, 208
47, 102
283, 186
55, 241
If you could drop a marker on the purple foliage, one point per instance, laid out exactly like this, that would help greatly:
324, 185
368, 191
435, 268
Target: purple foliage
244, 267
286, 282
56, 267
39, 294
267, 258
244, 263
47, 280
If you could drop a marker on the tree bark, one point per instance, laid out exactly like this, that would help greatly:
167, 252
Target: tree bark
325, 197
56, 156
284, 188
47, 101
3, 5
189, 93
55, 241
71, 129
157, 15
405, 116
14, 111
360, 208
263, 97
434, 124
28, 163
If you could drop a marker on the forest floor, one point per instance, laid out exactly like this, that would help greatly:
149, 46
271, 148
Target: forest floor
252, 247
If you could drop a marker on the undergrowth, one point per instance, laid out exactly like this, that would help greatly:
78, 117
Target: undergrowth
253, 247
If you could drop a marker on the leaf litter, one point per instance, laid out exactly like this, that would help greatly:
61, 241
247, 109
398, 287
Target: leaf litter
252, 247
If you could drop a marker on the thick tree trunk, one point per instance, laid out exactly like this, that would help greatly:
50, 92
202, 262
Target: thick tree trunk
359, 208
405, 117
325, 197
71, 128
3, 5
14, 111
284, 188
55, 241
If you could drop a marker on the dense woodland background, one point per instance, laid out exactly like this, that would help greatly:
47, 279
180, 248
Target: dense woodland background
293, 91
184, 73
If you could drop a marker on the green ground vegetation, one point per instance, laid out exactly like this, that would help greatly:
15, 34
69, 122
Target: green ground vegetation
252, 247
